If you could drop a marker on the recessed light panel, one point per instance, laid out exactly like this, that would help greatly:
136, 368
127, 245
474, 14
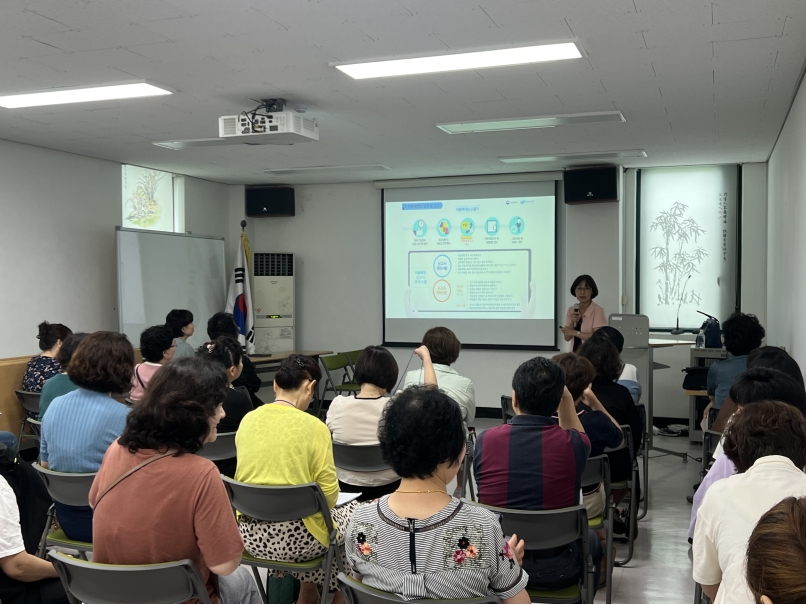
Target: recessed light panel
566, 157
306, 169
81, 95
569, 119
461, 61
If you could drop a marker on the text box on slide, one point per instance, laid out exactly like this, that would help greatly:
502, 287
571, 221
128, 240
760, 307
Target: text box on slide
469, 282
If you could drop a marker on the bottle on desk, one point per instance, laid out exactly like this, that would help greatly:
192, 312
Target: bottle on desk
700, 342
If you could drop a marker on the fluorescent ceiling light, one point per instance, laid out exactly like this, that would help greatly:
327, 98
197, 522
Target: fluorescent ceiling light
565, 157
81, 95
353, 167
460, 61
569, 119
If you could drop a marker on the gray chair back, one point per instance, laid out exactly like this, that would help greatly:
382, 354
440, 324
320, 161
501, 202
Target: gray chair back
507, 411
597, 470
85, 582
72, 489
29, 401
359, 458
223, 448
36, 426
357, 592
278, 503
542, 529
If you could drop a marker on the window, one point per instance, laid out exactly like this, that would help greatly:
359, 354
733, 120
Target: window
152, 200
687, 251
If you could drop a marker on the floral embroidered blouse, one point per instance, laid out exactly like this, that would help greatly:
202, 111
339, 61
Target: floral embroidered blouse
458, 553
39, 369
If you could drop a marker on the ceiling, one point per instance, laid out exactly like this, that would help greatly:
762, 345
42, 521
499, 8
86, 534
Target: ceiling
697, 81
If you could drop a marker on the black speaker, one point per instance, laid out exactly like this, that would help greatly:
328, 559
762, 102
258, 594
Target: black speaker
591, 185
269, 201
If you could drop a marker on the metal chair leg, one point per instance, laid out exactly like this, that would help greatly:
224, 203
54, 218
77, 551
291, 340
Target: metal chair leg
259, 583
44, 541
645, 484
610, 509
632, 520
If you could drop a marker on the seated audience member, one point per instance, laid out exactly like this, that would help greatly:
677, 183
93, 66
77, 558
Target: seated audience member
762, 357
280, 444
766, 442
444, 348
354, 419
535, 464
223, 324
157, 347
60, 384
45, 365
741, 333
180, 321
24, 504
460, 551
776, 554
756, 384
600, 427
629, 373
618, 401
227, 353
175, 506
80, 426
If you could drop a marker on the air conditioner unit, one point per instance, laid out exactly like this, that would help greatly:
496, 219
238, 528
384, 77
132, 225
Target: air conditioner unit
280, 128
274, 303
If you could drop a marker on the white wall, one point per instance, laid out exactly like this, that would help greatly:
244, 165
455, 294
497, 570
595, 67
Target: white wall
754, 240
57, 240
786, 225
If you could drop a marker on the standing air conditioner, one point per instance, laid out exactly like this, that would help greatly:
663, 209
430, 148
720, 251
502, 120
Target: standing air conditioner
274, 303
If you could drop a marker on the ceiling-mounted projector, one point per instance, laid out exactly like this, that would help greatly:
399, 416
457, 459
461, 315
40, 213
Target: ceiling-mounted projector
276, 128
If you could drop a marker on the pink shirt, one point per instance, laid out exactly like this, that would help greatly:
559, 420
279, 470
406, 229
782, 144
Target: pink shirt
593, 318
142, 372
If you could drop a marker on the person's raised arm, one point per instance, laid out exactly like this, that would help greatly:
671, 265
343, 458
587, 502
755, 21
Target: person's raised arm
568, 413
592, 401
429, 375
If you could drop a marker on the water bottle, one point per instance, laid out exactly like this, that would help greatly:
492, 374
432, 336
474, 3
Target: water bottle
700, 343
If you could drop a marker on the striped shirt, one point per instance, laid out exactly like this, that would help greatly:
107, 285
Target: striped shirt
78, 429
458, 553
530, 464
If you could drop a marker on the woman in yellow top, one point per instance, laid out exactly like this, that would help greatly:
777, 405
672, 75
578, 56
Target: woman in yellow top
280, 444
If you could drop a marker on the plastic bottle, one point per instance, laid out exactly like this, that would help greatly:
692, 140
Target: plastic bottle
700, 343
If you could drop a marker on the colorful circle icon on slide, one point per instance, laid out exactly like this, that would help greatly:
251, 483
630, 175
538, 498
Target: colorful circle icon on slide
492, 225
420, 228
516, 225
444, 227
468, 227
442, 266
442, 290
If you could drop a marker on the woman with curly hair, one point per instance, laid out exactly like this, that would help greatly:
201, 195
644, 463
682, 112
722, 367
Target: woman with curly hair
81, 425
155, 501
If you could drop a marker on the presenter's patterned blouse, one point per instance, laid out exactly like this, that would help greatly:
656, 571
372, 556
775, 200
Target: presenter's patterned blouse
39, 369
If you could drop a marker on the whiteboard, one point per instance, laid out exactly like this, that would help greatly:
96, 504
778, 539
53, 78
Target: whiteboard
159, 271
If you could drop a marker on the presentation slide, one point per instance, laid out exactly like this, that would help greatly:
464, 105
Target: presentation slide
482, 266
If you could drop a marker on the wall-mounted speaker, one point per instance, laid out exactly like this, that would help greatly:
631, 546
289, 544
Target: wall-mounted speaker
269, 201
591, 185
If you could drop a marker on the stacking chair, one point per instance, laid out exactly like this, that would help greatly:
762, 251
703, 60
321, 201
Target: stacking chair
596, 471
352, 357
507, 411
223, 448
36, 427
644, 451
632, 485
466, 470
359, 458
332, 363
543, 529
710, 439
358, 592
72, 489
30, 403
285, 503
85, 582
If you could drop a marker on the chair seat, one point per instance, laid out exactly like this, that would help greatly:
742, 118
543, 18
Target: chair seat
59, 538
595, 522
316, 563
570, 593
620, 485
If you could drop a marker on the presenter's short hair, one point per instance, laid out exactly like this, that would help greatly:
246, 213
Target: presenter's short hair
376, 365
103, 362
154, 341
742, 332
588, 281
443, 345
539, 385
420, 429
178, 319
579, 373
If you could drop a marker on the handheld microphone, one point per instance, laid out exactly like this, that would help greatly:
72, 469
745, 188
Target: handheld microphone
576, 307
677, 331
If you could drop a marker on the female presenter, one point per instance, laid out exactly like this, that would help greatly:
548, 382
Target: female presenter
584, 317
